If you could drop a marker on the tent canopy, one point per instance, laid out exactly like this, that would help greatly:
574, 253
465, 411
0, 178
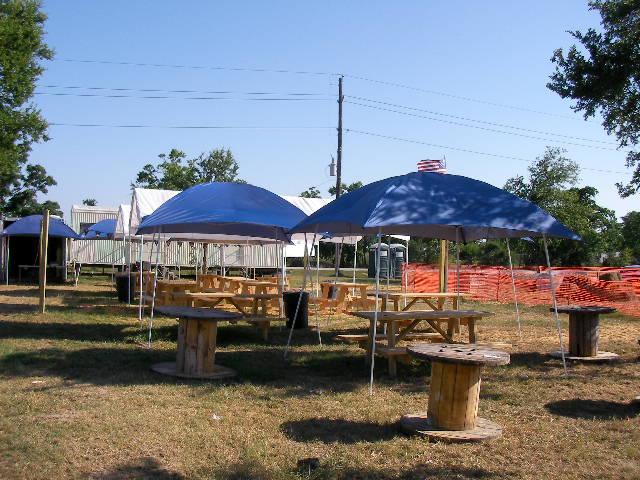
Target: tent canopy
30, 227
227, 209
433, 205
145, 201
102, 230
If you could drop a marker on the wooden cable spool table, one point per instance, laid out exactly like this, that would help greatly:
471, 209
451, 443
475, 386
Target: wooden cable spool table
584, 334
197, 335
455, 393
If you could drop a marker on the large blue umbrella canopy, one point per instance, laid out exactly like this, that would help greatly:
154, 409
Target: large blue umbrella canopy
101, 230
434, 205
30, 227
227, 209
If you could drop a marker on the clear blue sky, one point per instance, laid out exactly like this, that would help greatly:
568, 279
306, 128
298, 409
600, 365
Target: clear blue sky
490, 53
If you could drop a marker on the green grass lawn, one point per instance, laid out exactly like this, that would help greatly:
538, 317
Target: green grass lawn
78, 401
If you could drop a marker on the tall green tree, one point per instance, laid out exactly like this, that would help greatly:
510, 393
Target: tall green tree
311, 192
90, 202
21, 124
552, 184
604, 76
631, 235
344, 188
176, 172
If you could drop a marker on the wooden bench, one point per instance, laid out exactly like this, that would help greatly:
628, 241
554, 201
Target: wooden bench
363, 339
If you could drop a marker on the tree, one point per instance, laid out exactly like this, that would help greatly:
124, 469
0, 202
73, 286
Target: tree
631, 234
174, 172
311, 192
344, 188
21, 50
606, 77
90, 202
553, 186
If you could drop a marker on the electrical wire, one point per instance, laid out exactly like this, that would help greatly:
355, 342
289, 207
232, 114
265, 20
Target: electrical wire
502, 125
486, 129
197, 67
215, 92
163, 97
186, 127
495, 155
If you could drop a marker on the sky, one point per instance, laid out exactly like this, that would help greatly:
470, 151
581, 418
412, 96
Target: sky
423, 79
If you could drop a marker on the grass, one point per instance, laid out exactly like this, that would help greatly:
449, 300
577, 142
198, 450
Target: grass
78, 401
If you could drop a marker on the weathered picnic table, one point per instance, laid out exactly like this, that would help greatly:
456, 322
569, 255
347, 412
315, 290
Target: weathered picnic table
402, 325
435, 300
197, 335
452, 415
339, 301
584, 334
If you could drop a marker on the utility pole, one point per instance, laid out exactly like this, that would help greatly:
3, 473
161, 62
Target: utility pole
339, 166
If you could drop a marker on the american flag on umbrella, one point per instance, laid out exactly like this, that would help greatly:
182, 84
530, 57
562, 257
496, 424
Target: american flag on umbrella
438, 166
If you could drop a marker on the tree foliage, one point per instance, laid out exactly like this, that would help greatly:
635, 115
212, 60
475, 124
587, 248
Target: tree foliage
21, 124
176, 172
311, 192
605, 76
90, 202
631, 235
344, 188
552, 184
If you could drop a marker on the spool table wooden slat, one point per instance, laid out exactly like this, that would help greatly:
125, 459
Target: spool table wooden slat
584, 334
452, 414
197, 335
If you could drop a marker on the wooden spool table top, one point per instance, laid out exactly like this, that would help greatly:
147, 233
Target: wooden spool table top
459, 354
195, 313
595, 309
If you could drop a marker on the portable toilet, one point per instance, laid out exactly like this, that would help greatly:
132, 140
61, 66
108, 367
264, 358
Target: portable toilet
398, 256
384, 260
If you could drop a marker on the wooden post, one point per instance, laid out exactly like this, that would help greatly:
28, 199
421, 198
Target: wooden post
44, 244
444, 265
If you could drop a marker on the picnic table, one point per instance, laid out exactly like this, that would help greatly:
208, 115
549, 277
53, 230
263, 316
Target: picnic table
258, 286
583, 334
166, 288
338, 302
402, 325
197, 334
211, 299
435, 300
454, 393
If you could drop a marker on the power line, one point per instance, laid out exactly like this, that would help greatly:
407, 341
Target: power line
303, 72
451, 122
485, 122
197, 127
165, 97
158, 90
198, 67
496, 155
458, 97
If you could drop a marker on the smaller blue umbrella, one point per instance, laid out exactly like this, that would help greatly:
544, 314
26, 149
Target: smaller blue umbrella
102, 230
30, 227
226, 209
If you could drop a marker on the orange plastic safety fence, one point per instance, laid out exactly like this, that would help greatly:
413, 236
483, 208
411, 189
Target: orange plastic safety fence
615, 287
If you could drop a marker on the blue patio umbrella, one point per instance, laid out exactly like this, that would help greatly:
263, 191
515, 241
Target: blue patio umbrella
433, 205
227, 209
102, 230
30, 227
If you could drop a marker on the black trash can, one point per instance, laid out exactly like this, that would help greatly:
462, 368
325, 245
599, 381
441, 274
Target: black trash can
122, 283
290, 299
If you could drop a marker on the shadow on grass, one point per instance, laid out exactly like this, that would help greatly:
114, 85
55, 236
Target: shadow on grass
330, 430
145, 467
89, 332
593, 409
131, 366
419, 472
533, 361
57, 292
